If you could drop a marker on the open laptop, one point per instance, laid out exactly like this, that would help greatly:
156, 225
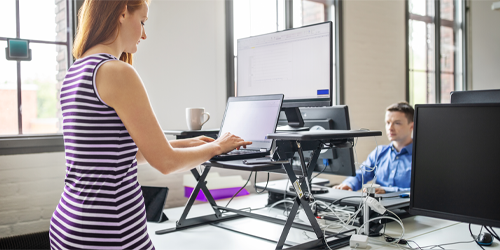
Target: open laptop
252, 118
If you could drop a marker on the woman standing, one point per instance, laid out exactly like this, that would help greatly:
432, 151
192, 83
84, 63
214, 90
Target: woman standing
109, 128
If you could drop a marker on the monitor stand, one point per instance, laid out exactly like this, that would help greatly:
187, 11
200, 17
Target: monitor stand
295, 121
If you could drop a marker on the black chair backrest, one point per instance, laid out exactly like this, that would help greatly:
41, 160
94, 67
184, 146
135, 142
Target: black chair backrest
476, 96
26, 241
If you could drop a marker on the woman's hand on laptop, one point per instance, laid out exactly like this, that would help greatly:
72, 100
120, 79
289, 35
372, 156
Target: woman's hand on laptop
227, 142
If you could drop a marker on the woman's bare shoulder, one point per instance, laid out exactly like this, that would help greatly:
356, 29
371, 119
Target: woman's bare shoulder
116, 79
116, 69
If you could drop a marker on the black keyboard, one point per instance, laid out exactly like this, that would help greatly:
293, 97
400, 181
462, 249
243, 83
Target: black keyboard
240, 154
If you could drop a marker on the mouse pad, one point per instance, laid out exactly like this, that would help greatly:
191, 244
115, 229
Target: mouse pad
154, 199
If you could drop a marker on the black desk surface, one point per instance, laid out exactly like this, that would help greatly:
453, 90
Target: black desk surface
301, 136
322, 135
191, 132
239, 165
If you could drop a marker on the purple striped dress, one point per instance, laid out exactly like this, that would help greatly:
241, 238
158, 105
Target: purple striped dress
102, 206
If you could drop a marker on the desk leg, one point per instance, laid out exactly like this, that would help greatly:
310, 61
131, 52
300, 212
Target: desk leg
307, 170
205, 190
200, 185
305, 205
184, 223
288, 224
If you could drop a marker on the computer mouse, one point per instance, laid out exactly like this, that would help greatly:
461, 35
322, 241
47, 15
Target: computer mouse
484, 239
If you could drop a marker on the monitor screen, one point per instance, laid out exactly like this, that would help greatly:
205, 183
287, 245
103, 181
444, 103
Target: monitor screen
337, 161
295, 62
455, 162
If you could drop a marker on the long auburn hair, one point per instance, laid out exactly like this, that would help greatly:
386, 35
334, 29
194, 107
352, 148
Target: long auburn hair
98, 20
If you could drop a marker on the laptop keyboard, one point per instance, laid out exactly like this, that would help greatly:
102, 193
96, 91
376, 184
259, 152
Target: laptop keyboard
242, 152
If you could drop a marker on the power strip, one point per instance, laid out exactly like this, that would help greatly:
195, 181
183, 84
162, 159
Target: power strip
375, 205
358, 241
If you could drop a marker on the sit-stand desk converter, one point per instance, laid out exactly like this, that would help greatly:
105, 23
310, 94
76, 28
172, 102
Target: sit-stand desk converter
287, 144
183, 134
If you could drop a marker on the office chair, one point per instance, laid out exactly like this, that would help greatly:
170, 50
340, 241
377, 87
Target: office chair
38, 240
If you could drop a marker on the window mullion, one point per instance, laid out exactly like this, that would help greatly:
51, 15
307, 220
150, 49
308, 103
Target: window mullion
339, 53
456, 29
277, 16
464, 51
328, 9
69, 32
407, 50
18, 26
19, 99
230, 70
288, 14
437, 49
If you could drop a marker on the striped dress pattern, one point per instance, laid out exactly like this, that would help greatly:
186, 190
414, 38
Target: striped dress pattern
102, 206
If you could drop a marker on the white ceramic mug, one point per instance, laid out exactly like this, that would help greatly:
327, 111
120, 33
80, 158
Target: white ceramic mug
194, 118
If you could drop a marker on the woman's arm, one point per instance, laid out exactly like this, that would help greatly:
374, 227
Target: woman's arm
120, 87
191, 142
180, 143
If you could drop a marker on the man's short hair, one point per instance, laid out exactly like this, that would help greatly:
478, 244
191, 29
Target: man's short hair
404, 107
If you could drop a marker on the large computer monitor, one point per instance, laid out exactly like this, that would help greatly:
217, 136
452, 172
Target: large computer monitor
455, 168
295, 62
338, 161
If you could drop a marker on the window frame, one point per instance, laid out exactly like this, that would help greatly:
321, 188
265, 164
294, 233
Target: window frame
339, 51
28, 144
438, 22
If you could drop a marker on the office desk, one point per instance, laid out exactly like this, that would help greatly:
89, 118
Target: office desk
287, 144
424, 230
279, 186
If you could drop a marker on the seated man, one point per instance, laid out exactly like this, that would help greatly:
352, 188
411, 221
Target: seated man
393, 161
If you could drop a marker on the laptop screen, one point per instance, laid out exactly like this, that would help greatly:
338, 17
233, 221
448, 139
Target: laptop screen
252, 119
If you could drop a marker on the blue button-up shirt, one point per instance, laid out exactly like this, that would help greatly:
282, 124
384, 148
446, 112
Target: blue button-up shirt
393, 171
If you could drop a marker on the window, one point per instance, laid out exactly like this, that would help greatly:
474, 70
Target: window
29, 90
254, 17
436, 56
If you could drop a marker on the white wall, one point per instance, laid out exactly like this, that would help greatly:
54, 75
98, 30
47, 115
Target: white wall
374, 40
485, 45
182, 62
30, 188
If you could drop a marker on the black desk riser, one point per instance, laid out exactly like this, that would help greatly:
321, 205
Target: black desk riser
287, 144
183, 134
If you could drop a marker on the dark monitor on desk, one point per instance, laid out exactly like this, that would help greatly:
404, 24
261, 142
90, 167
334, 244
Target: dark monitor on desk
295, 62
338, 161
476, 96
455, 170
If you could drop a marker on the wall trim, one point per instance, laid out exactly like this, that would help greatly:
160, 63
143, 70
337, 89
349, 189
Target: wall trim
31, 144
